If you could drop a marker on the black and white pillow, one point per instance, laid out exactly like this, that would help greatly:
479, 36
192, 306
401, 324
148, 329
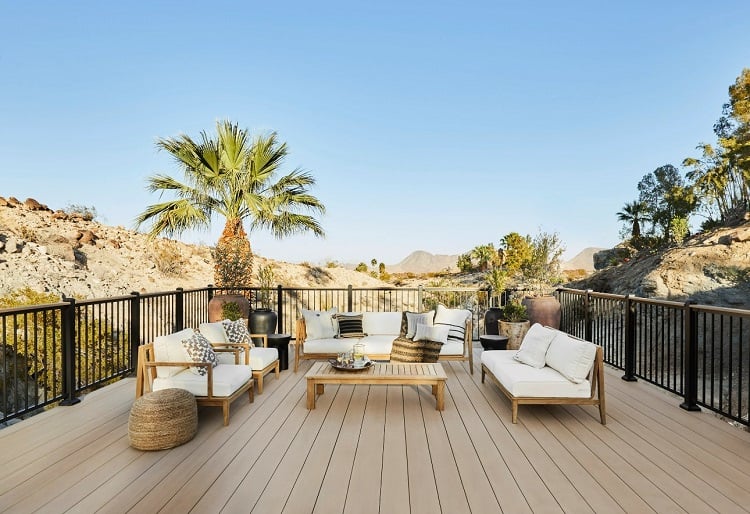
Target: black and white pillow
455, 320
350, 325
199, 349
236, 332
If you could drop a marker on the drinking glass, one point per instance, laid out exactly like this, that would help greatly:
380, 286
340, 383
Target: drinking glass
358, 352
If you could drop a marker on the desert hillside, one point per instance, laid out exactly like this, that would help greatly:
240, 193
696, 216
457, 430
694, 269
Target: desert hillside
63, 254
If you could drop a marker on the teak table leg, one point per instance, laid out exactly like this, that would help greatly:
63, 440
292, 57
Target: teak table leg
440, 395
310, 394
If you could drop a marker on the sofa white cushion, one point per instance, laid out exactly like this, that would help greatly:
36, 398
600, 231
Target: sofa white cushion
378, 344
320, 324
534, 345
214, 332
572, 358
525, 381
169, 348
415, 318
328, 345
378, 323
452, 348
261, 357
226, 380
437, 333
454, 319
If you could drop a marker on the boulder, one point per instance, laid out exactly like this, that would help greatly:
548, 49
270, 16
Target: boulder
33, 205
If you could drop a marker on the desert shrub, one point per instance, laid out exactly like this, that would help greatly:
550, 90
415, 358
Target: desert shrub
361, 267
28, 234
167, 257
332, 264
81, 211
231, 310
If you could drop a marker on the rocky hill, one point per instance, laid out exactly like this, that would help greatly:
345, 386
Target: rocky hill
425, 262
68, 254
711, 268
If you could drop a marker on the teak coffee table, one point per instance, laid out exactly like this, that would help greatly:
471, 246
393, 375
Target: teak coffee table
433, 374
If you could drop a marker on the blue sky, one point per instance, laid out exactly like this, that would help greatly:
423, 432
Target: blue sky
433, 126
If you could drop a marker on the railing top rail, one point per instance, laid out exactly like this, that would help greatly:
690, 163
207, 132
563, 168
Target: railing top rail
721, 310
612, 296
33, 308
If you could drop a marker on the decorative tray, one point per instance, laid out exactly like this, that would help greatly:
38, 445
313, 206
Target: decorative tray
350, 367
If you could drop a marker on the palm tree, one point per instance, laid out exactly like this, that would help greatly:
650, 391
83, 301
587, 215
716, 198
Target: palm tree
232, 176
634, 213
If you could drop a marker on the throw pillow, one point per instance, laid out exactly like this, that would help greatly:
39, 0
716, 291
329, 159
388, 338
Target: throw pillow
236, 331
415, 318
406, 350
319, 324
199, 349
437, 333
571, 357
455, 320
534, 346
350, 325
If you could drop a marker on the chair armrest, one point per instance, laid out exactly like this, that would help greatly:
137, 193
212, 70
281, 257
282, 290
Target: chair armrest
262, 336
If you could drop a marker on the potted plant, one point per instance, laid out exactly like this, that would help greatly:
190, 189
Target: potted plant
263, 319
514, 323
233, 263
542, 272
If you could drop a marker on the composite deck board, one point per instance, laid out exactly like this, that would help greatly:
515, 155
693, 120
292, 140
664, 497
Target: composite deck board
384, 448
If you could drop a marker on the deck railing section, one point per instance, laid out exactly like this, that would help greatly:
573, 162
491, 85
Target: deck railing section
51, 353
699, 352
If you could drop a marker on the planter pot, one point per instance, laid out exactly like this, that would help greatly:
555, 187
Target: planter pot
263, 321
217, 302
543, 309
514, 331
491, 318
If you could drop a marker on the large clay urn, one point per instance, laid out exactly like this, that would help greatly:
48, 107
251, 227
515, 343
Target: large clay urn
216, 304
514, 331
543, 309
490, 320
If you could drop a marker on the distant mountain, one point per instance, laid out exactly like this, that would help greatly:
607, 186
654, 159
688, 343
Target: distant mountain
584, 260
424, 262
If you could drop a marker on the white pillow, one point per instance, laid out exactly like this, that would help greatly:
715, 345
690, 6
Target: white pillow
572, 358
437, 333
320, 324
455, 320
534, 346
169, 348
415, 318
214, 332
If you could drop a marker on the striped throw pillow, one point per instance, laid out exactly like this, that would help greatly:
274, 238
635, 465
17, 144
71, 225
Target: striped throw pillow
455, 320
350, 325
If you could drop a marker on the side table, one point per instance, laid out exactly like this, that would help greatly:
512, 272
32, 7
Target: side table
493, 342
281, 343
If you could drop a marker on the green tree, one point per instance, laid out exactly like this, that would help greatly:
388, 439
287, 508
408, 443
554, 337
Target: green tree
464, 262
232, 176
361, 267
516, 251
543, 268
634, 214
667, 197
484, 255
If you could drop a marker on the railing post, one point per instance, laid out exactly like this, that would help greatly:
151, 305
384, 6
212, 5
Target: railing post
135, 328
68, 322
350, 299
179, 307
211, 290
691, 358
629, 375
279, 310
420, 297
587, 326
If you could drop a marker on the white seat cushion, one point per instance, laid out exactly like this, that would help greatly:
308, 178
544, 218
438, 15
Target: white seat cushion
452, 348
525, 381
261, 357
226, 380
169, 348
328, 345
381, 323
378, 344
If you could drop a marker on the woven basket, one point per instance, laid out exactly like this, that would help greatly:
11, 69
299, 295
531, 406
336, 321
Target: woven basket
162, 419
406, 350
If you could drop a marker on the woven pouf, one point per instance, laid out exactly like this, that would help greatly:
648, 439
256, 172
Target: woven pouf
162, 419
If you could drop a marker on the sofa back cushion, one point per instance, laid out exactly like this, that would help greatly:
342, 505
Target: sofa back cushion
169, 348
214, 332
320, 324
415, 318
381, 323
534, 345
455, 320
571, 357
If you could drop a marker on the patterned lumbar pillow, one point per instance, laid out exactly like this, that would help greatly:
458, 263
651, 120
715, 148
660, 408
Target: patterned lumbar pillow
200, 350
236, 332
350, 325
437, 333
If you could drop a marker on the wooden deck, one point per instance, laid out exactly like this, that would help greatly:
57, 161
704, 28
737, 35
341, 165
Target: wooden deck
369, 449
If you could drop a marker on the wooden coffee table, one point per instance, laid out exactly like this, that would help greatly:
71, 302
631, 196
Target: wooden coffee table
432, 374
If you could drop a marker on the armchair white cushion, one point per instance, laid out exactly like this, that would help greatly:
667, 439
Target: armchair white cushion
169, 348
226, 380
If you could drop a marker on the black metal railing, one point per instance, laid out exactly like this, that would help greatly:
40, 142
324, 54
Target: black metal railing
51, 353
699, 352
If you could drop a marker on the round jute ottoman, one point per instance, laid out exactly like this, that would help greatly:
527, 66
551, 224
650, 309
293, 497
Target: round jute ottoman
162, 419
